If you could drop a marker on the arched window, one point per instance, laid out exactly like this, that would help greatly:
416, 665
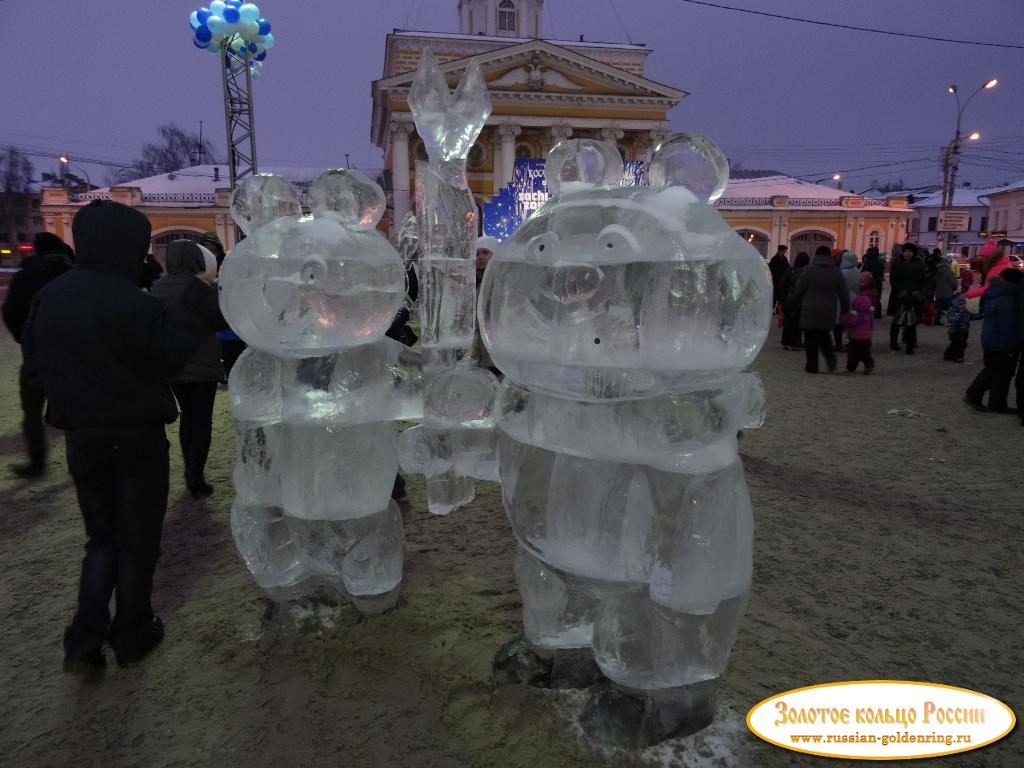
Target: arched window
506, 16
875, 239
524, 151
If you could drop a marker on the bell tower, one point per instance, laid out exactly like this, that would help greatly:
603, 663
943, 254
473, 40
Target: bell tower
501, 18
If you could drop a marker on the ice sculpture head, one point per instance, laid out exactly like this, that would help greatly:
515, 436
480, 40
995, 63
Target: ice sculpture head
303, 286
448, 123
612, 292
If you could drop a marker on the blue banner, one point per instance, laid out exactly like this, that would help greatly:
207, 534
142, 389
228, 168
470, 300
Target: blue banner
528, 191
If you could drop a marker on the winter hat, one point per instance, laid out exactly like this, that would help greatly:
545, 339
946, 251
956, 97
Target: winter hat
866, 280
988, 249
488, 244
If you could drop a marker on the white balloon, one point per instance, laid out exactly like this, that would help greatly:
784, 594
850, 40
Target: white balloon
231, 28
249, 30
216, 25
249, 12
217, 8
256, 74
193, 20
268, 40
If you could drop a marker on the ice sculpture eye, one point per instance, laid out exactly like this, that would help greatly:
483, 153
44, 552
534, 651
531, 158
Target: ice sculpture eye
571, 283
314, 270
544, 247
349, 195
261, 199
616, 239
692, 161
578, 164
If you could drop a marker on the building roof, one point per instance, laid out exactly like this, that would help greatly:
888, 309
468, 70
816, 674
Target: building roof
1016, 186
963, 197
518, 40
198, 184
758, 193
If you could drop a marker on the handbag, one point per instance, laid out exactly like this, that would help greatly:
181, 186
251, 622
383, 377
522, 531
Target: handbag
907, 316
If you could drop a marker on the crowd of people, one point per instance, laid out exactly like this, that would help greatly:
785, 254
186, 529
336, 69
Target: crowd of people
818, 299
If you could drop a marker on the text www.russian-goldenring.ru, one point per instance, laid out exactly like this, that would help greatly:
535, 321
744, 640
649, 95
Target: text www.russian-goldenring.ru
885, 739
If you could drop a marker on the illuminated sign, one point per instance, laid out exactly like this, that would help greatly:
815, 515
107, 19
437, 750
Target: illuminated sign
528, 191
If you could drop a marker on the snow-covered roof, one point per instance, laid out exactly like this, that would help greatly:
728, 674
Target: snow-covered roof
757, 193
198, 184
1016, 186
963, 197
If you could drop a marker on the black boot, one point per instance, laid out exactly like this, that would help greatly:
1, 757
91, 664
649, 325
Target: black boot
29, 471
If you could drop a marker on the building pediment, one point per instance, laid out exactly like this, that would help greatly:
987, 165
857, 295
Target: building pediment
536, 71
539, 65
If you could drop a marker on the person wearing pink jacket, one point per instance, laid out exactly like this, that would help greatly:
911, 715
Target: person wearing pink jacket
995, 261
860, 324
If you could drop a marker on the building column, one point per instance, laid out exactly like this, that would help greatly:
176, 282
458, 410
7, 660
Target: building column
508, 135
556, 133
401, 193
612, 134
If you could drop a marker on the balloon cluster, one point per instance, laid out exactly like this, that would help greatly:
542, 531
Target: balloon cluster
235, 30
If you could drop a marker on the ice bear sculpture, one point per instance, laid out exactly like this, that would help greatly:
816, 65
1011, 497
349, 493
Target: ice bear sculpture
316, 396
623, 318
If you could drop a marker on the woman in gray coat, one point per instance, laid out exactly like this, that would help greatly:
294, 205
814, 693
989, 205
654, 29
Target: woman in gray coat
820, 287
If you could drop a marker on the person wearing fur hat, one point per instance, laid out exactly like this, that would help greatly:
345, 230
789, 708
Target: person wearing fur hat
195, 387
486, 247
49, 260
945, 286
1000, 342
906, 281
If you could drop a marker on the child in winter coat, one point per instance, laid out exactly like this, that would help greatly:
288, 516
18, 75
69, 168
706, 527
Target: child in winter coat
860, 324
958, 327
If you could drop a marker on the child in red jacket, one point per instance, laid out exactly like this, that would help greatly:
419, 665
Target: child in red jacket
860, 324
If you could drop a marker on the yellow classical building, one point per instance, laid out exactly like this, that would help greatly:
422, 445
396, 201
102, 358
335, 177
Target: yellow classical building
542, 91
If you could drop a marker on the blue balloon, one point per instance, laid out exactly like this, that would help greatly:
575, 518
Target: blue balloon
261, 56
231, 15
252, 47
199, 43
203, 14
264, 26
204, 34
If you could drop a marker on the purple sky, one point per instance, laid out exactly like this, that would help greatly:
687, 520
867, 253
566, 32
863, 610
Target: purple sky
96, 78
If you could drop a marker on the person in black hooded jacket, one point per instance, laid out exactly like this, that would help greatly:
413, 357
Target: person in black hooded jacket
50, 260
103, 350
191, 267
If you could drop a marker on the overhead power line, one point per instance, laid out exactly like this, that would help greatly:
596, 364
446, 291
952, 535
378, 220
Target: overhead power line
851, 27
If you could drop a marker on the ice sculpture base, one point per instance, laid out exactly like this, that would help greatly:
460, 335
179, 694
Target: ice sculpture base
635, 720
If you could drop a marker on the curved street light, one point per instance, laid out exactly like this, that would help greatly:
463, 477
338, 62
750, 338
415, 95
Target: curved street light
66, 163
951, 156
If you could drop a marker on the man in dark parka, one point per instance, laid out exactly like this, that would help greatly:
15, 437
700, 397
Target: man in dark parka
49, 261
103, 350
820, 291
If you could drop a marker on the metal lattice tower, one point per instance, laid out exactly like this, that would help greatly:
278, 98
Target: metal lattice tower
238, 116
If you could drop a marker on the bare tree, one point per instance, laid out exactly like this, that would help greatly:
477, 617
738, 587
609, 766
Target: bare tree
176, 149
15, 172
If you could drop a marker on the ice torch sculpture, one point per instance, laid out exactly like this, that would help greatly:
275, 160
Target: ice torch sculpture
456, 441
316, 396
623, 319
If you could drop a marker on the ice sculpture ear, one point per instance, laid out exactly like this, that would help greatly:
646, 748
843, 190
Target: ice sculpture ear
692, 161
349, 196
578, 164
448, 125
261, 199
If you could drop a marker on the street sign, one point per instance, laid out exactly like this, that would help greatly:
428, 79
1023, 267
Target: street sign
954, 221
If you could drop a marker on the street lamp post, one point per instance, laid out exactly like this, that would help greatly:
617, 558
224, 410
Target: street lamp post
65, 163
951, 155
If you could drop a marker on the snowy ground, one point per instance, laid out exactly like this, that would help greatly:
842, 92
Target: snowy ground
887, 546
